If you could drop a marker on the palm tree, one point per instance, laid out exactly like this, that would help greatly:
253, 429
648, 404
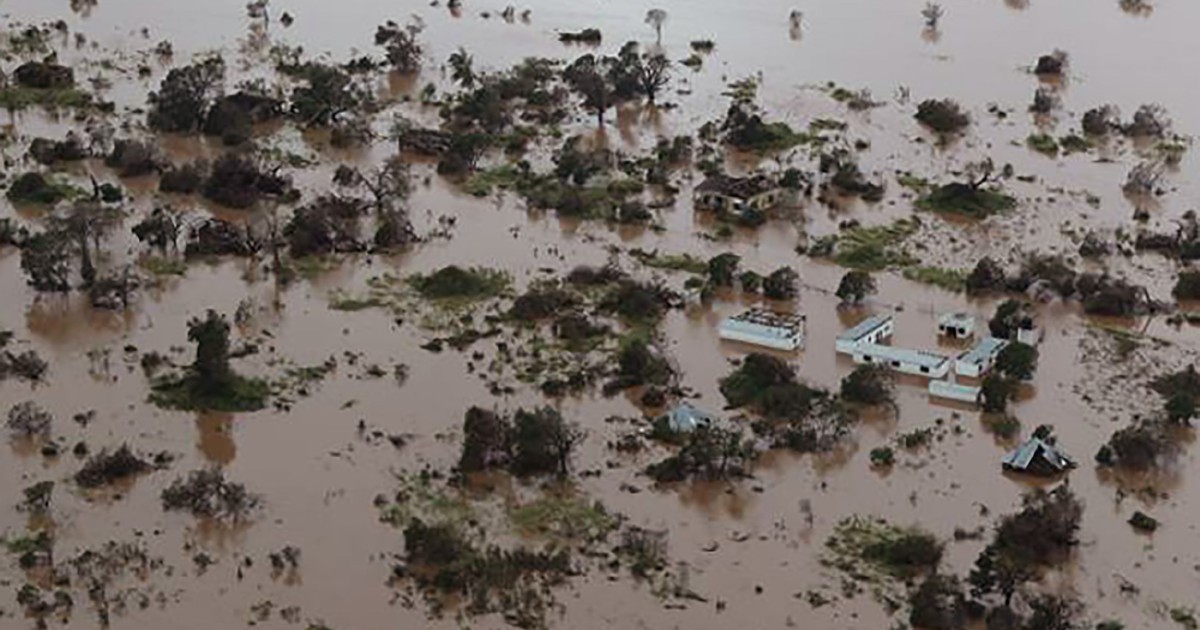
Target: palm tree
460, 68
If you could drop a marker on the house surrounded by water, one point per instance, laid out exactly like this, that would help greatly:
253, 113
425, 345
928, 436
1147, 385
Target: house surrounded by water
978, 361
957, 325
760, 327
725, 193
870, 330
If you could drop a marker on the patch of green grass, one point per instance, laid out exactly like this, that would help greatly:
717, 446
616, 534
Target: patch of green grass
948, 279
873, 248
670, 262
418, 498
1043, 143
159, 266
180, 391
966, 200
875, 549
310, 267
456, 283
912, 182
16, 98
340, 301
482, 183
1074, 143
562, 517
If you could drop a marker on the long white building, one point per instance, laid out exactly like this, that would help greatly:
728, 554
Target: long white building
871, 330
760, 327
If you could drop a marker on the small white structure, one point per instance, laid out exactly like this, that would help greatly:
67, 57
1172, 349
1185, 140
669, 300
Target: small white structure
918, 362
954, 391
871, 330
977, 361
760, 327
1029, 334
957, 325
685, 418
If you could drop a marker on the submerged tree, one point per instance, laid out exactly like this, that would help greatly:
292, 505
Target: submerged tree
656, 18
182, 102
855, 286
653, 74
589, 77
544, 442
400, 43
461, 68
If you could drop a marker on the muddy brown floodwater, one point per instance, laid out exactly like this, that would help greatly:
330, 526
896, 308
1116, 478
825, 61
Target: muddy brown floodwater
319, 475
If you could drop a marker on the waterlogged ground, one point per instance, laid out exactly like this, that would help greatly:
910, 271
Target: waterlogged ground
750, 549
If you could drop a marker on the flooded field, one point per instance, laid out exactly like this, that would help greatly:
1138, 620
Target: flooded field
391, 303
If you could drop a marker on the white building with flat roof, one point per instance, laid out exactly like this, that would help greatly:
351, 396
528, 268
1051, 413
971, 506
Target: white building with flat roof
977, 361
957, 325
760, 327
918, 362
871, 330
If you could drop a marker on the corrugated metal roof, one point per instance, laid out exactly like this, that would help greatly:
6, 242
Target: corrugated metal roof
863, 328
686, 418
1026, 454
920, 358
982, 350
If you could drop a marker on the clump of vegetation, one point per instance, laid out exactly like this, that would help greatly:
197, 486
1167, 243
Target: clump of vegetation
563, 518
855, 286
768, 385
871, 248
591, 36
400, 42
1143, 522
639, 363
537, 442
901, 552
28, 420
638, 302
185, 96
781, 284
453, 282
1140, 446
977, 197
207, 494
869, 385
938, 604
1099, 121
709, 452
36, 188
106, 467
943, 116
1043, 143
239, 182
1015, 363
1181, 391
1043, 533
745, 129
210, 383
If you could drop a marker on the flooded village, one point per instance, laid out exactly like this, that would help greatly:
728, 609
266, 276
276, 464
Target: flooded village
489, 314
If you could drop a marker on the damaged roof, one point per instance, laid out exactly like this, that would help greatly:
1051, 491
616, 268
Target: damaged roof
738, 187
1038, 456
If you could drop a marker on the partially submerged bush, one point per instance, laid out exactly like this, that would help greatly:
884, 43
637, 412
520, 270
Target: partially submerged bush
185, 96
639, 363
938, 604
207, 494
1140, 446
869, 385
1181, 390
1187, 286
185, 179
710, 453
782, 284
987, 276
487, 441
217, 237
1099, 121
36, 188
240, 182
768, 385
639, 302
28, 420
942, 116
69, 149
855, 286
107, 467
44, 75
133, 158
209, 383
454, 282
544, 442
